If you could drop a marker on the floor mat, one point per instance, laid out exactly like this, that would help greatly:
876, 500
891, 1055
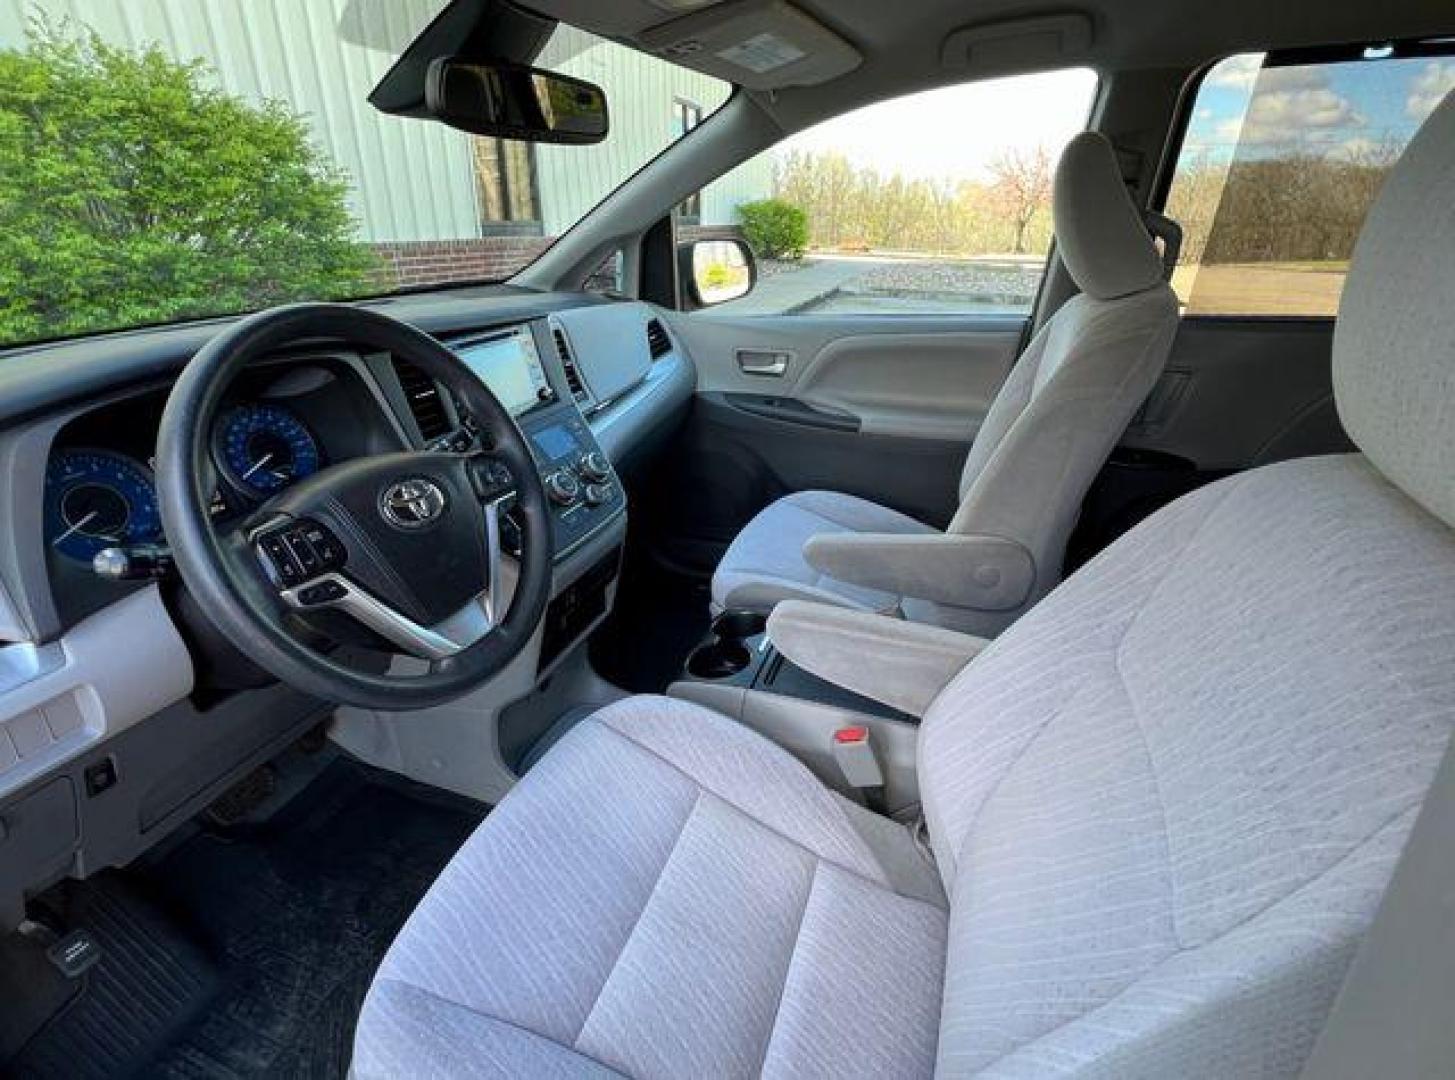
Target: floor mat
150, 981
293, 916
658, 618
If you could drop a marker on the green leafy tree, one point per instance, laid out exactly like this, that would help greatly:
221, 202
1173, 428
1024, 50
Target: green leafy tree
132, 191
775, 229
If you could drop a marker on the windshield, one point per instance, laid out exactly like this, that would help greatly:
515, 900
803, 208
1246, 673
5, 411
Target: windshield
163, 161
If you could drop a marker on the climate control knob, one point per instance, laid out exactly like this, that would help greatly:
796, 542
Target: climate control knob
594, 467
562, 487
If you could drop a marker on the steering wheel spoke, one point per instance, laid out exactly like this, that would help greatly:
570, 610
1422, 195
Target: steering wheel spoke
447, 638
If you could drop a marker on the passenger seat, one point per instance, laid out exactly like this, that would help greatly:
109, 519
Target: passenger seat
1047, 434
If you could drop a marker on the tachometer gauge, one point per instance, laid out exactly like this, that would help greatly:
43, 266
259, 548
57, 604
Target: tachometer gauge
264, 448
97, 499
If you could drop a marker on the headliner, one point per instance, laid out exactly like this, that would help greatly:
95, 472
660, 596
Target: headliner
900, 41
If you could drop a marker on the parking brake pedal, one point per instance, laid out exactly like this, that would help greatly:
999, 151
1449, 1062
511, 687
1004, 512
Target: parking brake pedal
75, 954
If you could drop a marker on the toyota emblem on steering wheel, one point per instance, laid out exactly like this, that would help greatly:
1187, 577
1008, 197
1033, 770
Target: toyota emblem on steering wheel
412, 504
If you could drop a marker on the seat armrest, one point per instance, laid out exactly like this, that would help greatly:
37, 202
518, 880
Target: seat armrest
987, 573
901, 664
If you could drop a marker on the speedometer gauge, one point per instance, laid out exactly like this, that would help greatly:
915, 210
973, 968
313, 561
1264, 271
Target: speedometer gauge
264, 448
96, 499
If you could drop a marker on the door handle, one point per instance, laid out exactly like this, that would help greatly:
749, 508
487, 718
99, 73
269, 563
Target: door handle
765, 363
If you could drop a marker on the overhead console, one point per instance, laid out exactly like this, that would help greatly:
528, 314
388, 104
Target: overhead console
757, 44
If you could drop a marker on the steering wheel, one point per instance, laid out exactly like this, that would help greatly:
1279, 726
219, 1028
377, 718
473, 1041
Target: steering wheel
406, 544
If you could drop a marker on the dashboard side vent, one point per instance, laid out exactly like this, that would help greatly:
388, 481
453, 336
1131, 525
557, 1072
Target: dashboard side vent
657, 340
568, 363
425, 403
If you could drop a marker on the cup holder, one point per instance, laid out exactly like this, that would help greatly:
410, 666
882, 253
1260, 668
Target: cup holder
718, 659
739, 625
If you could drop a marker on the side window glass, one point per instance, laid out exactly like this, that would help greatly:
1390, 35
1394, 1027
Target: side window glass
934, 203
1278, 169
607, 278
686, 115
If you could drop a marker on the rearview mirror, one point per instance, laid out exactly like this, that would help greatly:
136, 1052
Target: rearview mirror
511, 101
717, 270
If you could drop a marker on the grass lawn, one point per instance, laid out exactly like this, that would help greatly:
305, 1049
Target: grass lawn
1292, 288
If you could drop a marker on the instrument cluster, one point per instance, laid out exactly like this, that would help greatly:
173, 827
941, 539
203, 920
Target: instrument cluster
97, 498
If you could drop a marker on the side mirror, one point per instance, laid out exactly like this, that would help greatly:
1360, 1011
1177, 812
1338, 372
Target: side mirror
716, 270
512, 101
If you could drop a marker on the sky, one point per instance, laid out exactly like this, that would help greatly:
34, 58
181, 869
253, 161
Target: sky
1337, 109
956, 132
1340, 110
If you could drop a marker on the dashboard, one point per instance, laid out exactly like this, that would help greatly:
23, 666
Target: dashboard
587, 383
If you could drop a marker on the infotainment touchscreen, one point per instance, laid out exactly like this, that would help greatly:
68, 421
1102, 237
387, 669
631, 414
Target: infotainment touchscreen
507, 362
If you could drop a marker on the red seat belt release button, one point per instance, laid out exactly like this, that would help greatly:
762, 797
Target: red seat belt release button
855, 756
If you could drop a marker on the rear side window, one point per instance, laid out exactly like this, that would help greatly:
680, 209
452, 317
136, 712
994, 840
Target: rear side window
1278, 169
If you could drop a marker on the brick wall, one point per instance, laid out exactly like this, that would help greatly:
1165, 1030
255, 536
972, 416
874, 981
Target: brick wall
438, 262
435, 262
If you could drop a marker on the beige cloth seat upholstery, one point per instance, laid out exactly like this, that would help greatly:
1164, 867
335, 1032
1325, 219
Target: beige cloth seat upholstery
1162, 807
1048, 432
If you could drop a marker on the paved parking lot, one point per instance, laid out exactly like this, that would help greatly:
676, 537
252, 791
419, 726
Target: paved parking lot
892, 284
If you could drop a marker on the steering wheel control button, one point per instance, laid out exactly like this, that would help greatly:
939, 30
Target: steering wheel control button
303, 552
415, 503
300, 551
563, 488
491, 478
279, 559
325, 592
324, 544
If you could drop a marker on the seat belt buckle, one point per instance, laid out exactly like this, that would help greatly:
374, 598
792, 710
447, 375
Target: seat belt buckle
856, 759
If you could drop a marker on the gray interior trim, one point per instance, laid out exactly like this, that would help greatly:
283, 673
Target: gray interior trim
1392, 1016
901, 664
806, 729
121, 665
724, 140
609, 346
987, 573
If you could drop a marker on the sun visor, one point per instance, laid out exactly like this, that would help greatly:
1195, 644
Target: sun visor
758, 44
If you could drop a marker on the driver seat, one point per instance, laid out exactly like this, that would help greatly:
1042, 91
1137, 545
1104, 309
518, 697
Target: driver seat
1161, 808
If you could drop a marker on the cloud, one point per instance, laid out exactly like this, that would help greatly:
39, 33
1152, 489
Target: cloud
1429, 88
1236, 72
1288, 115
1289, 80
1285, 105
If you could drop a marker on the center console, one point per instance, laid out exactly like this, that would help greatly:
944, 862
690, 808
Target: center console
584, 491
737, 653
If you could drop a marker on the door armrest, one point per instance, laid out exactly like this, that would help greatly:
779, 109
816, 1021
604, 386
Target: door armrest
901, 664
987, 573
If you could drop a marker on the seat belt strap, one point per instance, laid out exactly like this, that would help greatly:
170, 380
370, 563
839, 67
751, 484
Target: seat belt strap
1395, 1014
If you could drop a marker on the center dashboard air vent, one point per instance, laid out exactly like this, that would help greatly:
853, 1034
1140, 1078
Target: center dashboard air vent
657, 340
568, 364
425, 403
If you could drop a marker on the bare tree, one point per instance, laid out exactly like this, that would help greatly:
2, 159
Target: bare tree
1023, 186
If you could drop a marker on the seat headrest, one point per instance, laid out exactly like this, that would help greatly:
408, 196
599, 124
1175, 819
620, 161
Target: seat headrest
1394, 342
1099, 231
